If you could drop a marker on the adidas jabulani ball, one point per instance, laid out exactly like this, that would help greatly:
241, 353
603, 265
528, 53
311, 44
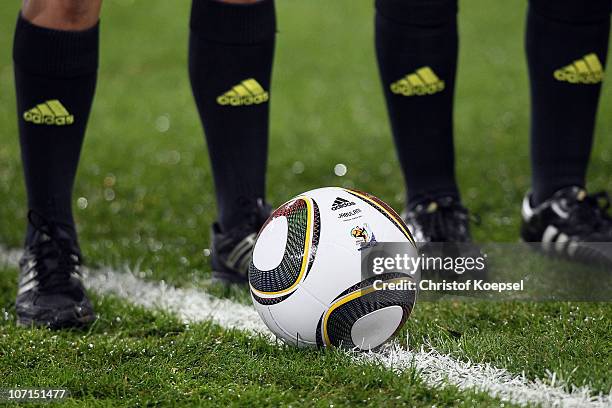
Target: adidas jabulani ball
305, 277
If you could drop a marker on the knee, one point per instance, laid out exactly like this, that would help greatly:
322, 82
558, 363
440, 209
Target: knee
418, 12
74, 12
567, 11
62, 14
223, 21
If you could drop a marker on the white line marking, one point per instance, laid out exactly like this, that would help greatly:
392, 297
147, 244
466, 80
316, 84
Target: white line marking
9, 257
190, 305
437, 370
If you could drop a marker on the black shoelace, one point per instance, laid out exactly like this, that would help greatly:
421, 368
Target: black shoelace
55, 258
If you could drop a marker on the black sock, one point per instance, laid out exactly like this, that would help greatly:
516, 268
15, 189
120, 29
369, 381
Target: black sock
231, 49
55, 79
420, 37
562, 37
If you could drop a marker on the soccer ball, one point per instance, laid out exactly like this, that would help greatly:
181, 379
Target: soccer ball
306, 278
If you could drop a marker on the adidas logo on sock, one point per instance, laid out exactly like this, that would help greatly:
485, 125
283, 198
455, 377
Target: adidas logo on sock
586, 70
341, 203
421, 82
49, 113
248, 92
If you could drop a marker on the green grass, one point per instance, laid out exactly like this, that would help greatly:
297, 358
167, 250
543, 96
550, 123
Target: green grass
132, 357
326, 94
571, 340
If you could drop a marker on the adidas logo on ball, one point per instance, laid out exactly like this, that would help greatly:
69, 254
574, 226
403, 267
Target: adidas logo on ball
341, 203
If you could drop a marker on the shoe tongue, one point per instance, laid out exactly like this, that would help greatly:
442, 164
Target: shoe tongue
248, 212
439, 202
432, 207
64, 233
257, 208
58, 233
573, 193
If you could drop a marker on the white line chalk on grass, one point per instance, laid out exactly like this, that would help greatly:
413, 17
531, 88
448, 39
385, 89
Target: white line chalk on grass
190, 305
437, 370
9, 257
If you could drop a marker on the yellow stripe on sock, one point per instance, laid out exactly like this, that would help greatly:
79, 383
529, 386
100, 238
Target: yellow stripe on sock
241, 90
414, 80
253, 86
581, 67
57, 108
593, 62
427, 75
44, 110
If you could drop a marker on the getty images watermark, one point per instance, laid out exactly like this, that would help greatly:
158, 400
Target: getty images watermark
435, 267
491, 271
448, 264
